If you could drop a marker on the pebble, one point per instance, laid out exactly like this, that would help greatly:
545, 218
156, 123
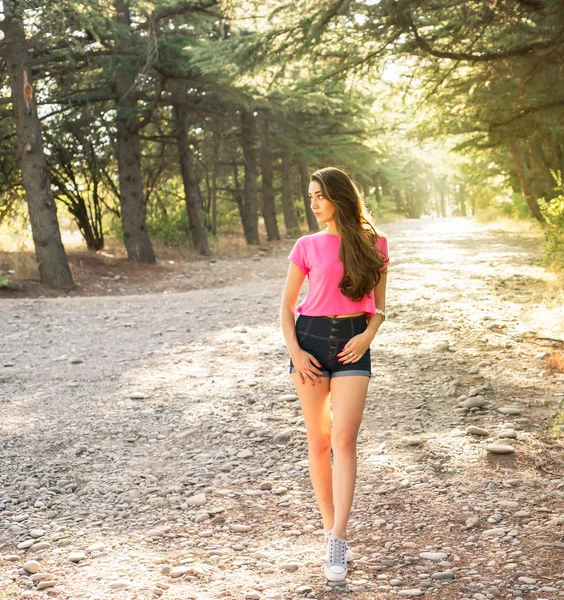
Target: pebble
411, 592
246, 453
510, 410
138, 396
282, 436
240, 528
433, 555
119, 584
197, 500
43, 585
474, 402
473, 430
414, 440
500, 448
289, 567
507, 433
443, 575
32, 566
77, 556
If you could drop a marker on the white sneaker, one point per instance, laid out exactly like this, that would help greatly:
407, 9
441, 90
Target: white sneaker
348, 554
336, 561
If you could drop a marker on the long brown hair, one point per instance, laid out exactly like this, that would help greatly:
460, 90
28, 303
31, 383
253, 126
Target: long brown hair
361, 259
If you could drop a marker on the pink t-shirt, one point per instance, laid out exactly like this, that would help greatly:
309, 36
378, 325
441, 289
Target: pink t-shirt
317, 255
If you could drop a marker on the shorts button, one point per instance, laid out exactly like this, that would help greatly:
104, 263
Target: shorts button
334, 322
331, 337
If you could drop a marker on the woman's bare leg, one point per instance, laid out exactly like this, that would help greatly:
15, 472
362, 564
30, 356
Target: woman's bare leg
314, 400
348, 396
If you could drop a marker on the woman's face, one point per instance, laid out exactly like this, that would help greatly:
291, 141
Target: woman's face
323, 209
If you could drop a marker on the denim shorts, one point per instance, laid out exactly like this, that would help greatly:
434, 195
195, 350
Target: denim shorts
325, 337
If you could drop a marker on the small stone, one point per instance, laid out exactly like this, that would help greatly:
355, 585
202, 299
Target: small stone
43, 585
441, 346
266, 485
290, 567
411, 592
282, 436
138, 396
507, 433
414, 440
20, 518
32, 566
288, 397
240, 528
197, 500
443, 575
471, 522
527, 580
433, 555
246, 453
493, 532
118, 584
474, 402
500, 449
36, 533
252, 595
186, 433
77, 556
510, 410
473, 430
98, 546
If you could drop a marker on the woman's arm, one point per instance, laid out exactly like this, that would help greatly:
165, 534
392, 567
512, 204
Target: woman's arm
374, 321
294, 282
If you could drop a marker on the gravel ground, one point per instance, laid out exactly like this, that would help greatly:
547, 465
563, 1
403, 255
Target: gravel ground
152, 445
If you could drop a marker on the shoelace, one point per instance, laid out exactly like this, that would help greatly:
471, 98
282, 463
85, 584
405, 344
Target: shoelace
337, 549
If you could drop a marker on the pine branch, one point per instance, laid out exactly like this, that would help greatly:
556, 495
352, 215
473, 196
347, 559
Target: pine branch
490, 56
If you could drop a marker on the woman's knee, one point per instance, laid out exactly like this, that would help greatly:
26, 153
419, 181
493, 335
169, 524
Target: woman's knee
344, 441
319, 443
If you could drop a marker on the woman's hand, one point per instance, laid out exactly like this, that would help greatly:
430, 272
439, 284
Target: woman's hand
306, 366
355, 348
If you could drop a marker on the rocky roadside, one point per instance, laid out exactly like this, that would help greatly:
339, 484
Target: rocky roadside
152, 446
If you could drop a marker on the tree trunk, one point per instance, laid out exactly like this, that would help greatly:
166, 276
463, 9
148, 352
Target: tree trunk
133, 210
525, 180
213, 206
268, 205
290, 215
461, 199
377, 192
544, 181
190, 181
312, 223
250, 204
52, 261
443, 204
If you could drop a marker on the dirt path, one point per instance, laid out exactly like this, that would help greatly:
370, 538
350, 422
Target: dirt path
152, 446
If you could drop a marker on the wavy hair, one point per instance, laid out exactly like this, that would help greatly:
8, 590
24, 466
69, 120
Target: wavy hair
357, 250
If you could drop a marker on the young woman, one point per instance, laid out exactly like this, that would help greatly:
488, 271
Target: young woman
329, 343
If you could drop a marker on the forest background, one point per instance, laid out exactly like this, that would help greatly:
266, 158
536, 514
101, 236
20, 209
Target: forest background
191, 127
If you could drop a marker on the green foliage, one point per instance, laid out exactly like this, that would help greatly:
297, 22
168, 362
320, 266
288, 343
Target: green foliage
4, 279
553, 211
170, 227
